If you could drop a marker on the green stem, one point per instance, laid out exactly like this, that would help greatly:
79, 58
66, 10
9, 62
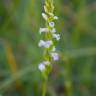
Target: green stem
44, 88
68, 82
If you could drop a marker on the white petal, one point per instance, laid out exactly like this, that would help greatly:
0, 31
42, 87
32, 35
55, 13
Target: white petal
57, 36
41, 43
55, 56
44, 16
53, 30
43, 30
51, 24
56, 17
46, 63
48, 44
45, 44
41, 67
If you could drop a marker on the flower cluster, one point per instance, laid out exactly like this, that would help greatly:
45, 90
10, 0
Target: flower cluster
50, 36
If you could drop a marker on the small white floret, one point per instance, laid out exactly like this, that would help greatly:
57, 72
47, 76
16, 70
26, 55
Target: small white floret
48, 44
51, 24
41, 67
57, 36
53, 30
44, 16
41, 43
43, 30
45, 44
46, 63
55, 56
56, 17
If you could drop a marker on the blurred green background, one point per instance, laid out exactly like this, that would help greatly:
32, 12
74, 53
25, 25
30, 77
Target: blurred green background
74, 74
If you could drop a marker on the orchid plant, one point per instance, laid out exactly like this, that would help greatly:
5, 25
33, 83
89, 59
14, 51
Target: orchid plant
48, 42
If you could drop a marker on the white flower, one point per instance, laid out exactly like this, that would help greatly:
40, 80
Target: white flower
53, 49
51, 24
57, 36
41, 67
46, 63
48, 44
45, 44
41, 43
44, 16
55, 56
56, 17
43, 30
53, 30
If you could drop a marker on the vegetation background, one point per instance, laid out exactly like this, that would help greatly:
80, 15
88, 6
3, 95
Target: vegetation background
74, 74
